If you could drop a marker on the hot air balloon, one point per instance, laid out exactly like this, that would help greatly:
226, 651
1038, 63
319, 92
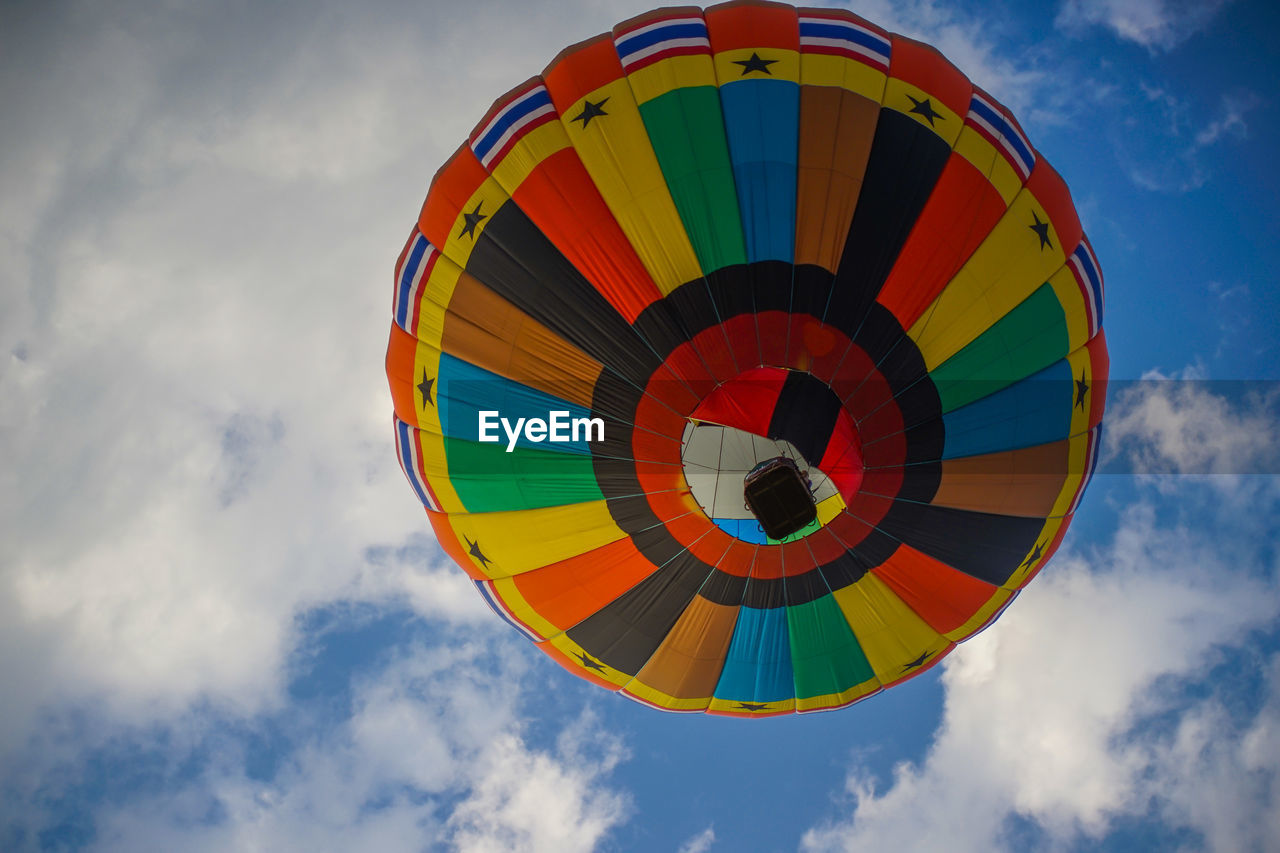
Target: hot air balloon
748, 359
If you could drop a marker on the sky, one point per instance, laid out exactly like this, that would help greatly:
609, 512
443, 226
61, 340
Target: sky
225, 625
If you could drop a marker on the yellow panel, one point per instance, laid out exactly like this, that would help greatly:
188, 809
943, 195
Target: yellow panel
506, 589
678, 72
436, 293
733, 706
823, 69
534, 147
1081, 369
616, 152
898, 96
519, 541
487, 198
829, 508
1037, 555
1077, 466
836, 700
643, 691
975, 148
785, 65
1067, 289
573, 650
984, 614
892, 636
1006, 269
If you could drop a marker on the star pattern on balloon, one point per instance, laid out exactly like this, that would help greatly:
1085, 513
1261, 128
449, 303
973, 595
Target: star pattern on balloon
471, 220
1033, 556
1042, 231
753, 706
590, 110
924, 108
475, 551
1082, 388
755, 63
917, 662
425, 388
589, 662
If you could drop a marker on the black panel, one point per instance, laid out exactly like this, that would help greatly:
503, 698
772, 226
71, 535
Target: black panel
515, 260
905, 163
985, 546
848, 568
625, 633
805, 415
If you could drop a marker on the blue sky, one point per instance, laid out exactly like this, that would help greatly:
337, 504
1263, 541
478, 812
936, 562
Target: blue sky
224, 624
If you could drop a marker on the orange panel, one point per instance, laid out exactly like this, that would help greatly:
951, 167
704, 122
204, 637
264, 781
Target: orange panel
452, 187
567, 592
943, 597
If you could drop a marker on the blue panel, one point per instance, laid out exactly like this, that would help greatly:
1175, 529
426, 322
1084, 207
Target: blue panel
758, 665
464, 390
746, 529
1033, 411
761, 118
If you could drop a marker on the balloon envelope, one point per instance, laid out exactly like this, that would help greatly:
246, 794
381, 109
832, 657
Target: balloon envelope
713, 238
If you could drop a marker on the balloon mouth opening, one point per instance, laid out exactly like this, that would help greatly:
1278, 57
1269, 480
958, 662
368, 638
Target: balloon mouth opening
771, 455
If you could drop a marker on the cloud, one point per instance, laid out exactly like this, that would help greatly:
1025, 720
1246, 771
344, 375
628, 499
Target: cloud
433, 755
1154, 24
201, 214
1182, 425
1105, 693
1164, 146
701, 842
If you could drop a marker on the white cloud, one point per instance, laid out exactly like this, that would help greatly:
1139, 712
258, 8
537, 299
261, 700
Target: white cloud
1179, 425
701, 842
1073, 710
1153, 24
1174, 159
433, 756
201, 213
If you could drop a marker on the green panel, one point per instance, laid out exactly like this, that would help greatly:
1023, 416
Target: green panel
825, 654
687, 133
1027, 339
799, 534
488, 479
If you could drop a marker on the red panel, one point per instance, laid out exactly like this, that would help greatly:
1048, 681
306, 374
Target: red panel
816, 347
452, 187
768, 563
1100, 360
773, 328
796, 557
580, 69
753, 24
943, 597
746, 402
1052, 193
959, 215
924, 67
561, 199
824, 546
402, 349
842, 461
449, 543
